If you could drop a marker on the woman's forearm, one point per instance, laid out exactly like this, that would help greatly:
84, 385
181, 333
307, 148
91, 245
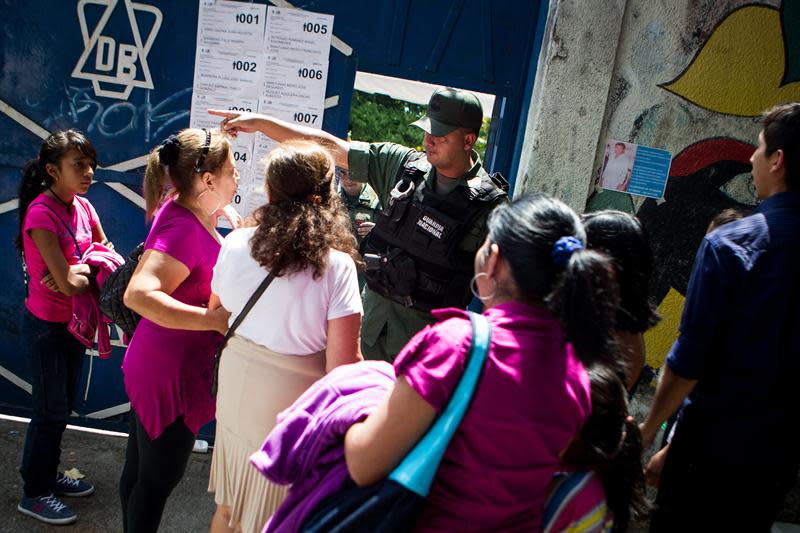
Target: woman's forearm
168, 312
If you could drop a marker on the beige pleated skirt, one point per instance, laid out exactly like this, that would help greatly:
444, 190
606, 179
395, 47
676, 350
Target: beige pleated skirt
255, 384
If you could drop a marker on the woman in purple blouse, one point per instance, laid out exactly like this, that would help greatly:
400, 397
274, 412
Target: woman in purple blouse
551, 304
169, 360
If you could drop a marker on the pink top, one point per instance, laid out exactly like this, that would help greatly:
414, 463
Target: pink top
532, 398
87, 320
49, 214
168, 371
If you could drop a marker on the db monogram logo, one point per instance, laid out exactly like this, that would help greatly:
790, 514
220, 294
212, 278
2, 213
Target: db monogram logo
116, 68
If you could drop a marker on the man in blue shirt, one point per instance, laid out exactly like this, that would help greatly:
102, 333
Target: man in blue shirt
736, 449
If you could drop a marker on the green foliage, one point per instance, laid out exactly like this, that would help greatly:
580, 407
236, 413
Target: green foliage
379, 118
483, 138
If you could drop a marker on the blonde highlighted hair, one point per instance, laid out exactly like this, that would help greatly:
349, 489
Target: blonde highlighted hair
182, 173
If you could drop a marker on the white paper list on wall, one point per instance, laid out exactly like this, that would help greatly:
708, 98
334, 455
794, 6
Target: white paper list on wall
271, 60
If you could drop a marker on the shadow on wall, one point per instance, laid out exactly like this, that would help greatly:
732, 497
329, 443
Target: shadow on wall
705, 178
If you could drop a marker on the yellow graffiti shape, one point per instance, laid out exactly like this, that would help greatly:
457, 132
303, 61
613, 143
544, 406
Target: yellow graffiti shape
739, 69
658, 340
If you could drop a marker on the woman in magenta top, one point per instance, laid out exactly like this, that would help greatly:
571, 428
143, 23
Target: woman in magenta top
169, 360
56, 227
551, 305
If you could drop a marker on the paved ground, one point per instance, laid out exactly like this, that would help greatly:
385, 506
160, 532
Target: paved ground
100, 458
189, 509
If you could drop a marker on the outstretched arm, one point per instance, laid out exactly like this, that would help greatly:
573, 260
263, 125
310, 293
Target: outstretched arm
234, 122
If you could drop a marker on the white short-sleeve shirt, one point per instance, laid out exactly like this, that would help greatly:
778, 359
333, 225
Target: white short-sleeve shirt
616, 171
291, 316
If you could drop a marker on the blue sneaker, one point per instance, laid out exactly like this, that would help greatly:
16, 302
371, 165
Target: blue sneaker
75, 488
48, 509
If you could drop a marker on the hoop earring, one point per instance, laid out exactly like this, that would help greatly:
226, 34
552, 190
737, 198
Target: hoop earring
219, 200
473, 286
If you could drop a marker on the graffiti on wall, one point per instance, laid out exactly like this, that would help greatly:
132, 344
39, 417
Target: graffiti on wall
113, 67
746, 60
750, 62
80, 109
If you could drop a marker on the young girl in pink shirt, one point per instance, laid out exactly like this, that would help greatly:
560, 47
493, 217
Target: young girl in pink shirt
56, 225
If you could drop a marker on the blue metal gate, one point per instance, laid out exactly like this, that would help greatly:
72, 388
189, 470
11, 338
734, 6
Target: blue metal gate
49, 80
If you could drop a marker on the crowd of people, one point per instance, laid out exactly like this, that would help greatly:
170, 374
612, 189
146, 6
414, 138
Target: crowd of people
373, 251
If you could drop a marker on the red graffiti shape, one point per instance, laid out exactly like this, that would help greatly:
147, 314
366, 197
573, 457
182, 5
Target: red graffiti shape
709, 151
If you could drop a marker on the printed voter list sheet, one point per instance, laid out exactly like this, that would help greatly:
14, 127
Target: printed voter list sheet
228, 68
267, 60
296, 47
223, 23
299, 34
228, 73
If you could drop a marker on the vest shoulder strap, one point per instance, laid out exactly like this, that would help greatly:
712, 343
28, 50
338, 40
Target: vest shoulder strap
491, 187
414, 168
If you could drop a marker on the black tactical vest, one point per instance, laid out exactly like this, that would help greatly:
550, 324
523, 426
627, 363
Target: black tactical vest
412, 253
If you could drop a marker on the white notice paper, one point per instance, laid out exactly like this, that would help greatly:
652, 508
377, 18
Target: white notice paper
267, 60
299, 34
238, 25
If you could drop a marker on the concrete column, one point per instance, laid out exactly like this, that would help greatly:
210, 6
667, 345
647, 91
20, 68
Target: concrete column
570, 98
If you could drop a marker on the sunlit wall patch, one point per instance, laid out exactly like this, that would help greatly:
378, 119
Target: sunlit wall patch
740, 188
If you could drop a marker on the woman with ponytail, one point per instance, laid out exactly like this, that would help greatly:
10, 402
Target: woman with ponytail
305, 324
56, 225
189, 182
551, 304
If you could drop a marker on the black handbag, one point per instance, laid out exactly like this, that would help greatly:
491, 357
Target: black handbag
392, 505
113, 290
231, 330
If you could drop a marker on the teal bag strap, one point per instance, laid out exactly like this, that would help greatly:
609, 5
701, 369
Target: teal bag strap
417, 470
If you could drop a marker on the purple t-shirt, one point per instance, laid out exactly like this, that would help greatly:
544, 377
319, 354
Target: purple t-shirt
49, 214
532, 398
168, 371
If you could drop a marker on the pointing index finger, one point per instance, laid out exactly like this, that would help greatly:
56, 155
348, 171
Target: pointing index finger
222, 113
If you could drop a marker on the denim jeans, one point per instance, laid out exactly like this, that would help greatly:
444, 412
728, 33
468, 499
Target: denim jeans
55, 358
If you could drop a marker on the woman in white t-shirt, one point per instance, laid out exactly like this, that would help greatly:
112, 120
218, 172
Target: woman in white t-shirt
306, 322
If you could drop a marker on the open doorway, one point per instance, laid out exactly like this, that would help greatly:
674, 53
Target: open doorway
383, 108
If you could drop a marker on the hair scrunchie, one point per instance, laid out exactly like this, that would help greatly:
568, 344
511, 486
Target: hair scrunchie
563, 248
169, 150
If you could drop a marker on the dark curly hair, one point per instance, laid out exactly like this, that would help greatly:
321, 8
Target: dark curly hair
303, 218
610, 444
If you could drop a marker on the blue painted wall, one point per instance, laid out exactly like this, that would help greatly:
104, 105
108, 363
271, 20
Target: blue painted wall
481, 45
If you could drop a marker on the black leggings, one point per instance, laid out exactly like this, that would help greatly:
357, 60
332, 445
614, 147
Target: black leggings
152, 470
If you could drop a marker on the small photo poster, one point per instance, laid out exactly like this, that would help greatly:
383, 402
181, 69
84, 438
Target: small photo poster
635, 169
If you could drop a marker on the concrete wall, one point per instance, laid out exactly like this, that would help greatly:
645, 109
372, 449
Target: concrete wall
688, 76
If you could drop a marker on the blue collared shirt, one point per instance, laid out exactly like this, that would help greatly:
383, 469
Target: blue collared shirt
740, 337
